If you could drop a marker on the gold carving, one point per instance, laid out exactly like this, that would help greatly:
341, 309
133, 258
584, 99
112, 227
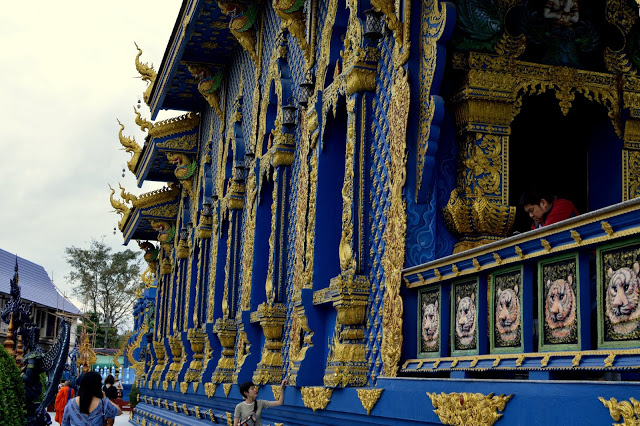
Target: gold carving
316, 398
606, 227
629, 411
545, 244
576, 236
292, 14
369, 398
210, 389
144, 124
242, 24
227, 388
209, 84
433, 19
121, 208
159, 196
276, 390
184, 387
608, 361
226, 331
576, 360
519, 252
272, 318
147, 74
468, 408
631, 173
395, 231
131, 146
171, 126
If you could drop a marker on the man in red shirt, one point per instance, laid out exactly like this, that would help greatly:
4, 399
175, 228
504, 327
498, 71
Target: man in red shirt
545, 210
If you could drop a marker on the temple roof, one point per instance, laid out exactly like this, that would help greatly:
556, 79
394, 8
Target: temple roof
35, 285
200, 35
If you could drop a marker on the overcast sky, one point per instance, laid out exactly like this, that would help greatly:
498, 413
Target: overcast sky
68, 71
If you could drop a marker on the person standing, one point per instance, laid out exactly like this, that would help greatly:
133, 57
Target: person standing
249, 411
65, 393
109, 389
89, 408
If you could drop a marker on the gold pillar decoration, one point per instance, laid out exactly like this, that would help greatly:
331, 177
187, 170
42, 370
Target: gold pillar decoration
156, 372
9, 343
147, 74
209, 84
396, 226
131, 146
369, 398
226, 331
631, 137
235, 195
196, 339
292, 14
468, 408
316, 398
346, 362
629, 411
271, 317
478, 210
175, 343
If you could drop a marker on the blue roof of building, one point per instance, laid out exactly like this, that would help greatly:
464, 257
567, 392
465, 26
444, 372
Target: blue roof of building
35, 284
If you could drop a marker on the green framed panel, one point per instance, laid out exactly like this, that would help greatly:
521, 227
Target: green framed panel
464, 317
429, 324
505, 311
618, 267
559, 303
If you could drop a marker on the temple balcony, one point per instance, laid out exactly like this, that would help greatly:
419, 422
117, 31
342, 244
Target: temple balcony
559, 298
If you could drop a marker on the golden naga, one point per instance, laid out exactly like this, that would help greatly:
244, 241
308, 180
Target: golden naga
127, 197
121, 208
147, 73
143, 123
130, 145
242, 24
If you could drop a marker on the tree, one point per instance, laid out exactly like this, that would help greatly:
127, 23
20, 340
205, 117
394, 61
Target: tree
12, 397
106, 281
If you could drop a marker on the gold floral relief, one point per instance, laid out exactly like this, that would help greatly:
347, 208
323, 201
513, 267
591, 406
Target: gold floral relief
369, 398
249, 235
631, 174
468, 408
627, 411
325, 44
316, 398
345, 251
396, 226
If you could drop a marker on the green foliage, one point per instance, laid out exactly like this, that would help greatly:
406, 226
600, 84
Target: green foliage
43, 383
12, 396
134, 396
92, 322
107, 281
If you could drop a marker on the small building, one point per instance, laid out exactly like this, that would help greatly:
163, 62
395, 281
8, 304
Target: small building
36, 287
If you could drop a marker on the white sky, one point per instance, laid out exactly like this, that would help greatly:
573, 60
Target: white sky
67, 71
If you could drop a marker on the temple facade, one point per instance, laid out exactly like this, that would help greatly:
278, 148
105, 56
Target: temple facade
342, 209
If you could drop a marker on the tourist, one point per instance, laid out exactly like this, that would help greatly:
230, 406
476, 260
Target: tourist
110, 391
90, 408
65, 393
545, 210
249, 411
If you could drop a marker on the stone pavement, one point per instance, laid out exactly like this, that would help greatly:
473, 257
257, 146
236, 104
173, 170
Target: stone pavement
122, 419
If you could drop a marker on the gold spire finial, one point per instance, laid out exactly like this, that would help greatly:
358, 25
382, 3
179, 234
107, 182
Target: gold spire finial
130, 145
143, 123
147, 73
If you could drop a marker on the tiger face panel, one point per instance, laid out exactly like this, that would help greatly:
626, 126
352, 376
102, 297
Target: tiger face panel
466, 320
507, 314
430, 325
622, 299
560, 309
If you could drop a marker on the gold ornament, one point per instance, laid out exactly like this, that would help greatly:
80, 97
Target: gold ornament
629, 411
316, 398
369, 398
468, 408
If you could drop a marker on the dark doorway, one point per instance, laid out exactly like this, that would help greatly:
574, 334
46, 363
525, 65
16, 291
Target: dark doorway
561, 155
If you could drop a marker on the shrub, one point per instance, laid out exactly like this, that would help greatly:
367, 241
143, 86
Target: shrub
12, 396
134, 395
